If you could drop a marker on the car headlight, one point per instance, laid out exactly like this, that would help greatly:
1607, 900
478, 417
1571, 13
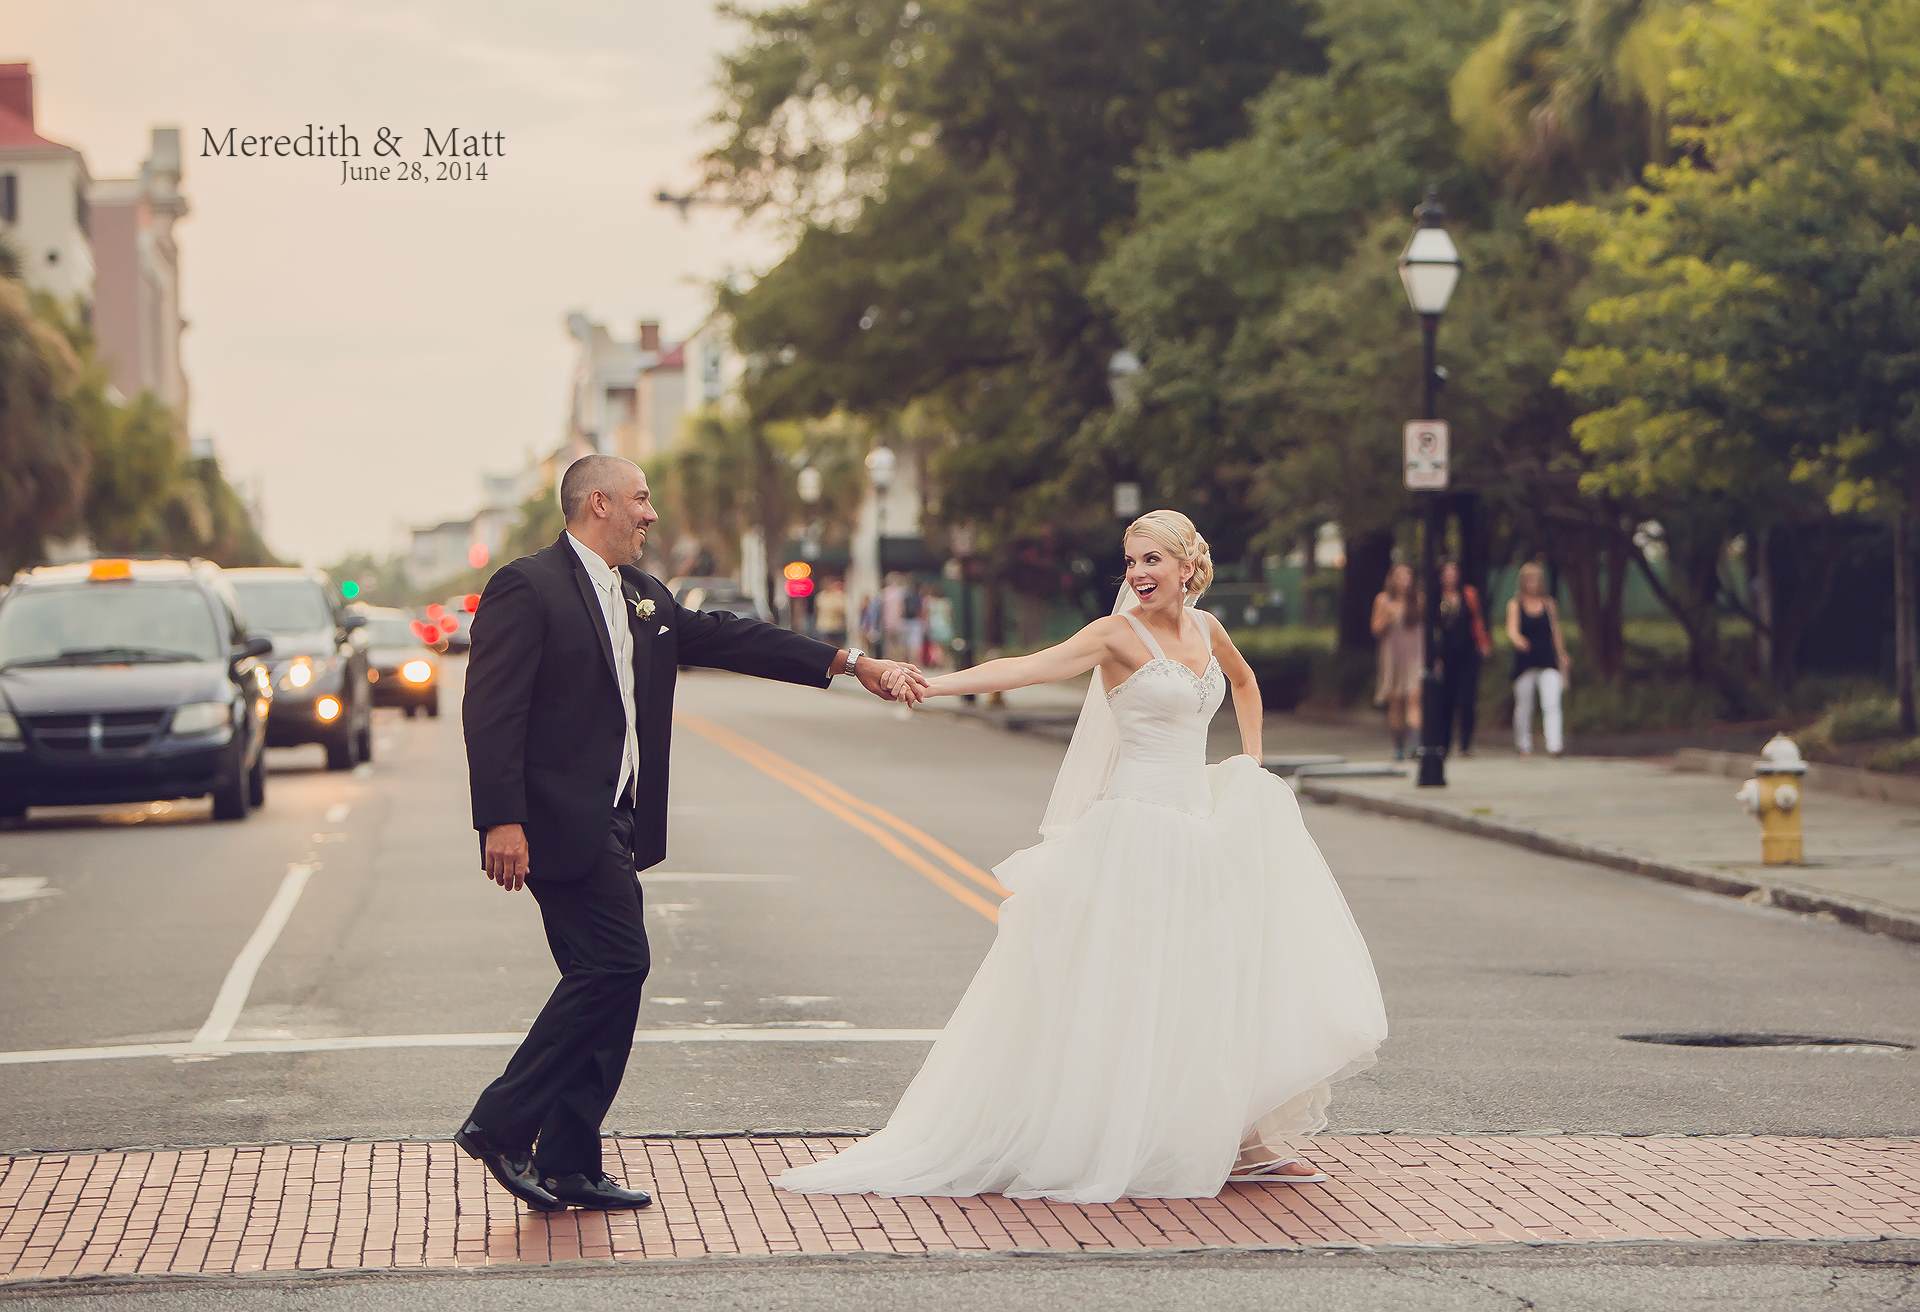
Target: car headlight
9, 728
305, 671
201, 717
416, 671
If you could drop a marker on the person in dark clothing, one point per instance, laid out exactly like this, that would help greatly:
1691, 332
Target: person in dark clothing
1540, 660
1463, 645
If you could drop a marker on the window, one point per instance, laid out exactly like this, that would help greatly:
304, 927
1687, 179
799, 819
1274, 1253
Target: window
9, 198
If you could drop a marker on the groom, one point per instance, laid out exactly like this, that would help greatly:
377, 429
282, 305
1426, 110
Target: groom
568, 712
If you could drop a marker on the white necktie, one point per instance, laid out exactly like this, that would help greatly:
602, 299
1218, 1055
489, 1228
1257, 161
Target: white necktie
622, 640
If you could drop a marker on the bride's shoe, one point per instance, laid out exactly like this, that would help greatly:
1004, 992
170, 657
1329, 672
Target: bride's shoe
1271, 1171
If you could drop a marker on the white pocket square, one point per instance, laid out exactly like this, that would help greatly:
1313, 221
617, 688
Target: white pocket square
663, 629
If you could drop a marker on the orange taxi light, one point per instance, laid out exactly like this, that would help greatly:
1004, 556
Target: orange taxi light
105, 571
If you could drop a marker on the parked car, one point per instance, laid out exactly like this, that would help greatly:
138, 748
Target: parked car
130, 681
682, 584
728, 598
321, 693
402, 668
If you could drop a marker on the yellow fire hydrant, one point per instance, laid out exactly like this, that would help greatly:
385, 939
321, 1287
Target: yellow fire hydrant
1773, 795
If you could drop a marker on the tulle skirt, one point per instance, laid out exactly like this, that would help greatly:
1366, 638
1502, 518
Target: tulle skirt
1164, 987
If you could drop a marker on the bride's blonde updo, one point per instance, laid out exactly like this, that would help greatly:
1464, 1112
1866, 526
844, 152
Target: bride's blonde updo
1175, 534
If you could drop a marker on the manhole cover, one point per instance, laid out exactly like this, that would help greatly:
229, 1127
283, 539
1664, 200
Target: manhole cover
1799, 1042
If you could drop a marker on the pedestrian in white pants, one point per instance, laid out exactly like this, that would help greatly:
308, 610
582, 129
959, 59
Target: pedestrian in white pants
1549, 683
1540, 661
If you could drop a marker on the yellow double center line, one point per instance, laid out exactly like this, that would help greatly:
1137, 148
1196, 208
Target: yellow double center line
883, 827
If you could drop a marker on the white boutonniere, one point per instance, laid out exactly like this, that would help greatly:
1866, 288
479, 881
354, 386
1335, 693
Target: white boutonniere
643, 607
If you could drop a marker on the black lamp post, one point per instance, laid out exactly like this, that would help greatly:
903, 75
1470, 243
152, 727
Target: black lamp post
1429, 270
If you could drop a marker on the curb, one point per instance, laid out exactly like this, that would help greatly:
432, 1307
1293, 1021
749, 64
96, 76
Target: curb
1868, 916
1841, 780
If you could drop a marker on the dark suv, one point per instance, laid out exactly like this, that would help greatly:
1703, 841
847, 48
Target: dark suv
130, 681
320, 688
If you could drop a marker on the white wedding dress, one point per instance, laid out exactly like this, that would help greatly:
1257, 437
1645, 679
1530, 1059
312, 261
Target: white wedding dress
1175, 973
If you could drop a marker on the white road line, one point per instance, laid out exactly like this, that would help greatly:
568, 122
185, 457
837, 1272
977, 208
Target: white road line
338, 812
25, 888
239, 982
355, 1043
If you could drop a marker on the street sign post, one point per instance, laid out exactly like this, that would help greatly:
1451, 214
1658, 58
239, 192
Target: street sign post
1426, 460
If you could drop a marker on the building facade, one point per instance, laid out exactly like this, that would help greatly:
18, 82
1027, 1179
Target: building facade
136, 298
625, 397
44, 204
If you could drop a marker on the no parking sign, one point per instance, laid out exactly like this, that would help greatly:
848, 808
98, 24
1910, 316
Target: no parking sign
1426, 465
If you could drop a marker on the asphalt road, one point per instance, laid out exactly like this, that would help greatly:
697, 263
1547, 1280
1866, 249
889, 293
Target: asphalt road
1509, 977
348, 971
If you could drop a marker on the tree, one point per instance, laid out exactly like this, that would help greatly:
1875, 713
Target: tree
43, 461
953, 172
1257, 285
1756, 342
1567, 98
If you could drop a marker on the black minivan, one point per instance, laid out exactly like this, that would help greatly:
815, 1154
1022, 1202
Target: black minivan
130, 681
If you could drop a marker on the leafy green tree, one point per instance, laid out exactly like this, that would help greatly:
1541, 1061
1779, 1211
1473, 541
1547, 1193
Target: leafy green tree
1569, 97
43, 460
1754, 341
953, 172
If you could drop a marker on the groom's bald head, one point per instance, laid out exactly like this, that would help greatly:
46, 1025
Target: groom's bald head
608, 506
609, 475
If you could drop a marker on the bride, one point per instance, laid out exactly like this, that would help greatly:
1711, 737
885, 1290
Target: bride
1176, 981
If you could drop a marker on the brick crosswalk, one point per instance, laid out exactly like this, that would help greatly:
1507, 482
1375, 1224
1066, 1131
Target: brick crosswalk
414, 1204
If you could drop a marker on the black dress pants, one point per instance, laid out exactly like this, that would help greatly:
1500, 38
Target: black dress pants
560, 1082
1459, 693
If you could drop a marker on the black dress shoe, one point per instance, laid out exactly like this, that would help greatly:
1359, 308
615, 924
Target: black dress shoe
514, 1171
603, 1192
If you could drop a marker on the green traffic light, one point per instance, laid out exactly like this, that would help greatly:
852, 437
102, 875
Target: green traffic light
349, 589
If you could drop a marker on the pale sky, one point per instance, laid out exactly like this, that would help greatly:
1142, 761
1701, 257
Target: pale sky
362, 352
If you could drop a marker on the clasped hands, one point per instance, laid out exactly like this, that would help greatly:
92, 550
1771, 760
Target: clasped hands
893, 681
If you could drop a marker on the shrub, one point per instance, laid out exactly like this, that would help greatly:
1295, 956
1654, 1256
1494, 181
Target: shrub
1900, 757
1859, 720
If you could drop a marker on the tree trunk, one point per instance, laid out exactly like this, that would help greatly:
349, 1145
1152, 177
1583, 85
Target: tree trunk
1766, 612
1365, 573
1903, 619
1596, 567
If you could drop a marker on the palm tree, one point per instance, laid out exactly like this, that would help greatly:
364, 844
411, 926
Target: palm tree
1565, 100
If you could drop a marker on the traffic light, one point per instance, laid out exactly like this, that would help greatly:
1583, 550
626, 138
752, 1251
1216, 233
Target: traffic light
349, 589
470, 603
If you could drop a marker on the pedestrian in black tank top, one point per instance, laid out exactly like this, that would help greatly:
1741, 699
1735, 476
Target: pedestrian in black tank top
1540, 661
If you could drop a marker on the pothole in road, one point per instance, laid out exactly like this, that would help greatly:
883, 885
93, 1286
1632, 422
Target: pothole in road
1797, 1042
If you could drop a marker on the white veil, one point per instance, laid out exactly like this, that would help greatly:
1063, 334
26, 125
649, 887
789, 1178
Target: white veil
1090, 756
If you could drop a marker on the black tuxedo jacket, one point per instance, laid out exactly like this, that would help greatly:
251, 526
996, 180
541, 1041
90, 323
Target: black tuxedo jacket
542, 710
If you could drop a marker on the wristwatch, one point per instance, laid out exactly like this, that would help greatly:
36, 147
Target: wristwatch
853, 658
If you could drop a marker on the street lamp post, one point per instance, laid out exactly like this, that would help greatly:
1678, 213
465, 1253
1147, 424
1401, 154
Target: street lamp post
880, 465
1429, 270
807, 484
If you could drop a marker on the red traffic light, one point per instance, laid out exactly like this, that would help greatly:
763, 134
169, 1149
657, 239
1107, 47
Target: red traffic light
449, 625
422, 632
435, 610
799, 587
470, 603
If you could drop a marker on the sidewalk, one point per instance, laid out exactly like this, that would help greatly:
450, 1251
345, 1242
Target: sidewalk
344, 1206
1642, 816
1669, 818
